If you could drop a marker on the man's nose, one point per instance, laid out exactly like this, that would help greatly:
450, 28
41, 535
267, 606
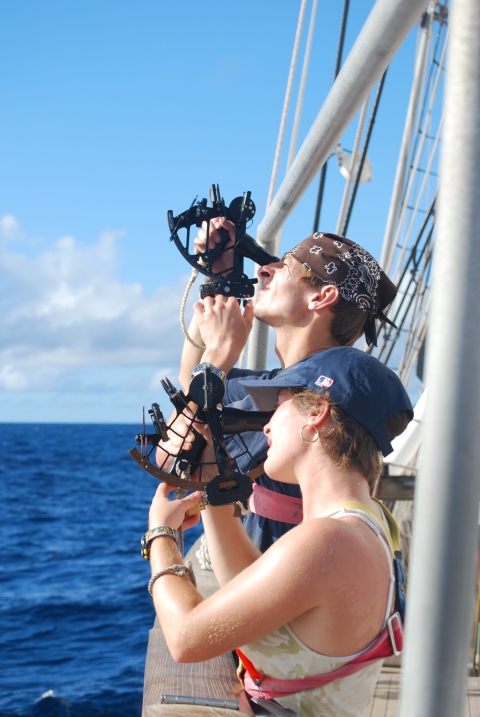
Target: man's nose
263, 272
268, 270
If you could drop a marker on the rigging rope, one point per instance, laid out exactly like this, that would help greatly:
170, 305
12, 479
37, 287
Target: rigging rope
299, 105
338, 62
286, 102
368, 135
423, 131
303, 82
351, 170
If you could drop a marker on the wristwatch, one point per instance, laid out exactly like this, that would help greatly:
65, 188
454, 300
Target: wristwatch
217, 371
150, 535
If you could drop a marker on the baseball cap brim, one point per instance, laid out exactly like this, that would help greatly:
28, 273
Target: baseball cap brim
265, 395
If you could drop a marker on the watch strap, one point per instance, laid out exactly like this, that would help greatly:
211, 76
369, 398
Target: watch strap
217, 371
150, 535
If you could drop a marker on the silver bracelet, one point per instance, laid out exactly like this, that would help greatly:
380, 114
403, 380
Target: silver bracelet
179, 570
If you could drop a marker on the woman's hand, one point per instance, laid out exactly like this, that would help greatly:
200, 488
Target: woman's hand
172, 512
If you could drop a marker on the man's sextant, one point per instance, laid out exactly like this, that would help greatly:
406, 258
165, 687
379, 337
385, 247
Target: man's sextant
231, 281
205, 394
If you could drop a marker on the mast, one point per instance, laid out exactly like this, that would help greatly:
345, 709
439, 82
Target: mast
448, 490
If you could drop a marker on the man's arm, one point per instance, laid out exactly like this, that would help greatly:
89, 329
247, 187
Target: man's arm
191, 355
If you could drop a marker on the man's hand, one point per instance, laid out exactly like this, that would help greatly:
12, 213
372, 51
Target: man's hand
225, 260
224, 329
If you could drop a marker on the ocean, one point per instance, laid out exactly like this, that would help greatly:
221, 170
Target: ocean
74, 607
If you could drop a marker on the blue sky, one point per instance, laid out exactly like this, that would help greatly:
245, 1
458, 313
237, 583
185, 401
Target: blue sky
113, 113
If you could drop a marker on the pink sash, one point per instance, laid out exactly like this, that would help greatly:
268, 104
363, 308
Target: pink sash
276, 506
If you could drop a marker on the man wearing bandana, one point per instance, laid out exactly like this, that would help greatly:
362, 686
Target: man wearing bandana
325, 292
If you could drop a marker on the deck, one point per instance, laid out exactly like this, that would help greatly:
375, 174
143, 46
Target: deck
385, 702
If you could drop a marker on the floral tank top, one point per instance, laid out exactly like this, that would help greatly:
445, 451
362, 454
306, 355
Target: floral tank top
283, 655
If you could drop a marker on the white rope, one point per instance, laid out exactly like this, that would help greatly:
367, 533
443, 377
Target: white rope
303, 82
298, 108
286, 103
203, 555
182, 310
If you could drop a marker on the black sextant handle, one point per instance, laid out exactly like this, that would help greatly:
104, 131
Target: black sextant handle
249, 248
234, 420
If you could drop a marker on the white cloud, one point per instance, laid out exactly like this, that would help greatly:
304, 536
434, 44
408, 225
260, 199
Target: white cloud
64, 311
9, 227
12, 380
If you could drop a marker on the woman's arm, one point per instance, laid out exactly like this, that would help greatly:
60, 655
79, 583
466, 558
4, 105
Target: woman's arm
229, 547
274, 589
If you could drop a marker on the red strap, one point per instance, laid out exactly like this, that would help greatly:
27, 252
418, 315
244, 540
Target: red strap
388, 643
249, 666
276, 506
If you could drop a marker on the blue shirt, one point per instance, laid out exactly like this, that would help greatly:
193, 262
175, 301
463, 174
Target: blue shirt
249, 450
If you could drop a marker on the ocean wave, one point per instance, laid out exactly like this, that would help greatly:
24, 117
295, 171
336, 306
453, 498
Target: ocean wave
106, 703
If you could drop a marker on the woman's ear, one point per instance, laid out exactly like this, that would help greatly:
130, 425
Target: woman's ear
318, 419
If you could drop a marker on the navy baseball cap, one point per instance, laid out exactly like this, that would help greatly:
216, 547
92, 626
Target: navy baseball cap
358, 383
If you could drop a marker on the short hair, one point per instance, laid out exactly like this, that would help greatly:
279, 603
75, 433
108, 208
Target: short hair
346, 442
348, 322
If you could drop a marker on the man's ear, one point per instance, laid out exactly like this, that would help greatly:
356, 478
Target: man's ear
323, 297
318, 419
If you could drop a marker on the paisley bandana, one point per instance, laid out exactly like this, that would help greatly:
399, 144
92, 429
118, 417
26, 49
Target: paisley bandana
337, 260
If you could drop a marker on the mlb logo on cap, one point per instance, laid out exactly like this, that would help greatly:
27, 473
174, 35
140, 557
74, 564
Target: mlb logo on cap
324, 382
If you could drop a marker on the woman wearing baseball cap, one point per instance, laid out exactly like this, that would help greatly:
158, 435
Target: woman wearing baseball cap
314, 616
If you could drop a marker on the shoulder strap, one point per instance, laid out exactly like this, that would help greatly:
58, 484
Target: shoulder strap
392, 524
392, 534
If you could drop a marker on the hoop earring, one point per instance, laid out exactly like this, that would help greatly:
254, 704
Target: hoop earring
304, 439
